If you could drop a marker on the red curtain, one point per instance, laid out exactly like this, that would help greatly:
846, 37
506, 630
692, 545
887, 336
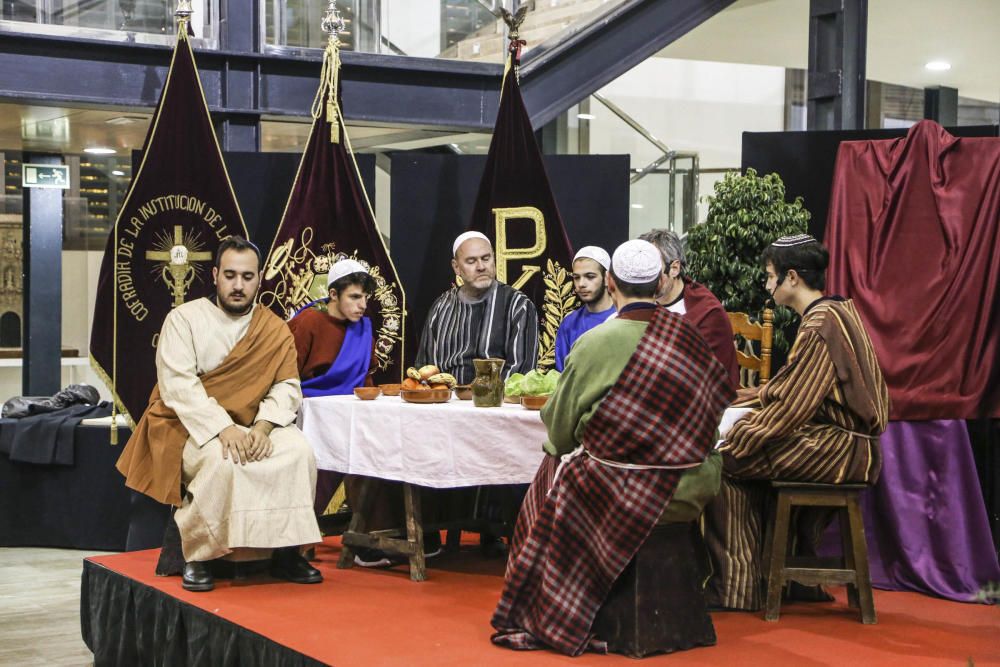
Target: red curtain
914, 238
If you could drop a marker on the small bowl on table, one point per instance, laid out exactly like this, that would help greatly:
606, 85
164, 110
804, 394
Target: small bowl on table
367, 393
534, 402
463, 392
511, 399
390, 389
425, 395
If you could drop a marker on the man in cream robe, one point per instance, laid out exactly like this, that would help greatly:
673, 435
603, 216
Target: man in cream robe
221, 421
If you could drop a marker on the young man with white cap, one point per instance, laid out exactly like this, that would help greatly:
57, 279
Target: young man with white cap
480, 319
335, 348
590, 265
640, 398
335, 354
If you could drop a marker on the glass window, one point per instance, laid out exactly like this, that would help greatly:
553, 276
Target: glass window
143, 21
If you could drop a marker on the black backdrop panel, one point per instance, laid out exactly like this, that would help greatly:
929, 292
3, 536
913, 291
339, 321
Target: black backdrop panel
262, 183
805, 161
433, 195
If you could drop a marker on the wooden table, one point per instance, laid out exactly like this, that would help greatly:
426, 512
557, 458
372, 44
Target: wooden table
447, 445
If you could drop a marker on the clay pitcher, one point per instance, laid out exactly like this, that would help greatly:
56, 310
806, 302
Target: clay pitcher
487, 387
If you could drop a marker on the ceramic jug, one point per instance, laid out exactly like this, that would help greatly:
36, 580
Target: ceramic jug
487, 387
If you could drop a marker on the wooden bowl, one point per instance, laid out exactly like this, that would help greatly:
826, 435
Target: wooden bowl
534, 402
390, 389
367, 393
511, 399
463, 392
425, 395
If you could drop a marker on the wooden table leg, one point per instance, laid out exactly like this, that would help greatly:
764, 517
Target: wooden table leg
359, 520
414, 531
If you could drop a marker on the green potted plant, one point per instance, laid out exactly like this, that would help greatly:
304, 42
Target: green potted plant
746, 213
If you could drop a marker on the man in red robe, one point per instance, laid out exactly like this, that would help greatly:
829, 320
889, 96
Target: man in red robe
695, 302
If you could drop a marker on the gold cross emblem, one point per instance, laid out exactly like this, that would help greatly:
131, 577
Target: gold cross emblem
178, 270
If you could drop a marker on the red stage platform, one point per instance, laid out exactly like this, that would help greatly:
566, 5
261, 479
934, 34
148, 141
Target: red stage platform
379, 617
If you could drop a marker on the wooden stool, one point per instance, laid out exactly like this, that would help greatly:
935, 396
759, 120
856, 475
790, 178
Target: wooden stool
657, 605
850, 569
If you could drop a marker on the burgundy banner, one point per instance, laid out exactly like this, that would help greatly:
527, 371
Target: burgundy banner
516, 210
179, 207
328, 218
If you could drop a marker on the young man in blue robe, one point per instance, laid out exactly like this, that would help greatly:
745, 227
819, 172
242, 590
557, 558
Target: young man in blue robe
335, 354
589, 269
335, 347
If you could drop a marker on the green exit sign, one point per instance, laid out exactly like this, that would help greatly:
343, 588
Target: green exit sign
45, 176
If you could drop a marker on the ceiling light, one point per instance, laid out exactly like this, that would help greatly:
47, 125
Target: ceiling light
586, 116
938, 66
117, 172
100, 150
636, 205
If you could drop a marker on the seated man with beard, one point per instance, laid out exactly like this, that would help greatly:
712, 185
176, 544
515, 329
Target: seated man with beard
221, 421
589, 268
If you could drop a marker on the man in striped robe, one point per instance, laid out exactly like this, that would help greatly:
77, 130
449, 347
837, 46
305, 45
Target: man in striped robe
481, 319
817, 420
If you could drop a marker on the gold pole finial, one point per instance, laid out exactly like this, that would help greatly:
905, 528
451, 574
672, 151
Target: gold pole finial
184, 10
333, 24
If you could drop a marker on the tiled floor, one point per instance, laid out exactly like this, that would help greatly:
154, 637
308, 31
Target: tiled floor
40, 607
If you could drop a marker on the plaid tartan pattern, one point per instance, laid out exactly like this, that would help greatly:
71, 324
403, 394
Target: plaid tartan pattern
571, 544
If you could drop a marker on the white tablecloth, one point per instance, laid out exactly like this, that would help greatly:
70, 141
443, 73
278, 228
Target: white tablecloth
439, 445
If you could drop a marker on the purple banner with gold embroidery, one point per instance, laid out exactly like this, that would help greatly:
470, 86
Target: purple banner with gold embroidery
515, 208
179, 207
329, 217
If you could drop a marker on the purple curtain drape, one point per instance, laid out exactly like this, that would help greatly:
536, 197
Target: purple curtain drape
925, 520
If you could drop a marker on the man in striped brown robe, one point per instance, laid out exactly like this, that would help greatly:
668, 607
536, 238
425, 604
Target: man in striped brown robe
483, 318
817, 420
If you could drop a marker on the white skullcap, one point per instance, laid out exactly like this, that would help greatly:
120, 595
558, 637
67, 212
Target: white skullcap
637, 262
599, 255
465, 236
344, 267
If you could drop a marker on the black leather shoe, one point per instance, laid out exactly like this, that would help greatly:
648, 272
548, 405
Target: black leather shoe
197, 577
289, 564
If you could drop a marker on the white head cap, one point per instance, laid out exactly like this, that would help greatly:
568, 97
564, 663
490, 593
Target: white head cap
344, 267
465, 236
599, 255
637, 262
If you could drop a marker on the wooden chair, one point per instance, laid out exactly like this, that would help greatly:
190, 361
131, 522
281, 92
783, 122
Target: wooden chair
851, 569
751, 365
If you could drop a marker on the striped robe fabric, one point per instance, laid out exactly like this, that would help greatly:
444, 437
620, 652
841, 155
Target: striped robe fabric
818, 420
504, 324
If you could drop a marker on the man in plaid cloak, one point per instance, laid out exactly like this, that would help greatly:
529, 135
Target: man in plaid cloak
632, 420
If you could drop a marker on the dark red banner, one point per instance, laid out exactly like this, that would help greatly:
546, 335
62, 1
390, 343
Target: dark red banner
516, 210
179, 207
328, 218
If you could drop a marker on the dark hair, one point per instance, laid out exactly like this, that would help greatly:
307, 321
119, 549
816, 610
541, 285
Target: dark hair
636, 290
357, 278
239, 244
809, 260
